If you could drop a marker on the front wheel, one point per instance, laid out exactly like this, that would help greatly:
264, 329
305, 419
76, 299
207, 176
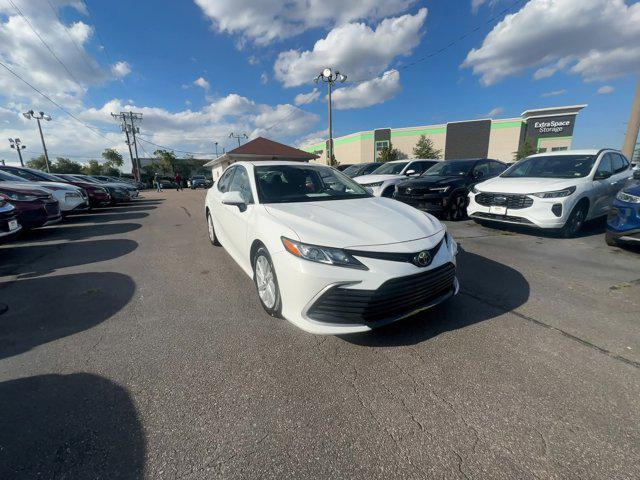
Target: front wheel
264, 276
458, 208
575, 221
212, 231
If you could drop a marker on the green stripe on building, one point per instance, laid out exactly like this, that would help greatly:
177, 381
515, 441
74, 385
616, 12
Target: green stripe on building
418, 131
500, 125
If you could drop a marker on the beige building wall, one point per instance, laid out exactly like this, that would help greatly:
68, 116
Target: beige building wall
550, 143
504, 139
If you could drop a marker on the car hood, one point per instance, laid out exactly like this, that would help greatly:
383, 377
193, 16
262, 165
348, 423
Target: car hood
364, 179
58, 186
633, 189
28, 188
116, 185
432, 181
525, 185
355, 223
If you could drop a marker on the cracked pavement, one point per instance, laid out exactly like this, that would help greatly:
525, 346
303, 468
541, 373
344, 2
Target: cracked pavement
132, 348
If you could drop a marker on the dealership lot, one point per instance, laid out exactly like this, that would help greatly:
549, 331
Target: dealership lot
130, 348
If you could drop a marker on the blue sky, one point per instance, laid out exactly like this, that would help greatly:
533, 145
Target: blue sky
253, 57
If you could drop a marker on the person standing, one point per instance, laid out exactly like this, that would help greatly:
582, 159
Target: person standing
158, 181
178, 181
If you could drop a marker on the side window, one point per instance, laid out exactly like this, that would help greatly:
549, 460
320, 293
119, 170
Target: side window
23, 174
605, 165
370, 168
223, 183
620, 164
481, 170
240, 183
496, 168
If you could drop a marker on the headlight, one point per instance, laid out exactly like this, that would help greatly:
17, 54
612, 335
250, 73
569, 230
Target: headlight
627, 197
440, 189
556, 194
315, 253
451, 244
19, 197
72, 195
375, 184
120, 190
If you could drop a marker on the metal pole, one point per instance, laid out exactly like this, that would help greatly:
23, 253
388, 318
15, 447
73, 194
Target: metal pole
133, 163
633, 126
44, 146
18, 147
330, 149
135, 147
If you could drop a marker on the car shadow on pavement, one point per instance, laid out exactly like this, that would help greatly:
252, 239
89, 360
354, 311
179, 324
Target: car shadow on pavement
36, 260
487, 289
78, 232
125, 208
69, 426
591, 228
40, 310
104, 217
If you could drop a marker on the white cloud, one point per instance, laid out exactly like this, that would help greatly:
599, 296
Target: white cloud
306, 98
493, 113
120, 69
596, 39
554, 93
354, 48
264, 21
476, 4
264, 78
368, 93
605, 89
253, 60
313, 138
202, 83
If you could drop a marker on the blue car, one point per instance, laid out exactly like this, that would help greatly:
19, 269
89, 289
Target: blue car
623, 222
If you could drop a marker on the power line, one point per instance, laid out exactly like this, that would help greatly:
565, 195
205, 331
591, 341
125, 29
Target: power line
90, 127
73, 77
104, 45
172, 149
80, 51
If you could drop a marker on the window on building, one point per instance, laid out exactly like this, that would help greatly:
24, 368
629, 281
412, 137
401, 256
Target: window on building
542, 150
559, 149
380, 145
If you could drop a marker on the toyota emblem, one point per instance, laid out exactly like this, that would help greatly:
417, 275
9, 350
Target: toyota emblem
422, 259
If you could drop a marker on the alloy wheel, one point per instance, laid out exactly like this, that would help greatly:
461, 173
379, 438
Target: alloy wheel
265, 282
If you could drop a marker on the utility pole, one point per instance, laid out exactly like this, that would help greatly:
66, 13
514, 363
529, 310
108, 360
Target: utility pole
329, 77
17, 144
216, 144
633, 126
40, 116
130, 129
238, 137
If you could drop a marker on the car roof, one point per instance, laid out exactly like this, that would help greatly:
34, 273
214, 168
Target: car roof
584, 151
271, 163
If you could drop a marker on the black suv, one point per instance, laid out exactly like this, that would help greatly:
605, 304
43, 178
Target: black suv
443, 189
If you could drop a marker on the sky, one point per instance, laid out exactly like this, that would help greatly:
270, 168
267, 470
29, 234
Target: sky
199, 70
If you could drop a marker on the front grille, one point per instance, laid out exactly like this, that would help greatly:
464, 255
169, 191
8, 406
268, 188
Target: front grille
52, 208
394, 298
415, 191
504, 218
510, 201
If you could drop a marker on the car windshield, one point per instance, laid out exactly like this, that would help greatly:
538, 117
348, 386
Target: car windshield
304, 183
449, 168
84, 178
351, 170
394, 168
45, 175
10, 177
552, 166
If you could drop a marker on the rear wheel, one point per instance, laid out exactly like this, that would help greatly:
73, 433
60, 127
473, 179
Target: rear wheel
212, 231
458, 207
575, 221
388, 192
610, 240
266, 282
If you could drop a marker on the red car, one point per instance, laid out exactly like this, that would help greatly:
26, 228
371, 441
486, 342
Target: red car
98, 196
34, 205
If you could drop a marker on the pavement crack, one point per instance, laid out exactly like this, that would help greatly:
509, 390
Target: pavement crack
186, 211
540, 323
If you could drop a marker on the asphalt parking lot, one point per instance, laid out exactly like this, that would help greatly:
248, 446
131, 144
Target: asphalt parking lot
132, 348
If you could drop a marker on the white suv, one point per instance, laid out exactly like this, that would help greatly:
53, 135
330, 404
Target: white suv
556, 190
383, 179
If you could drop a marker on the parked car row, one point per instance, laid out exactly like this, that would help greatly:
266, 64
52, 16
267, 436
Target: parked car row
30, 198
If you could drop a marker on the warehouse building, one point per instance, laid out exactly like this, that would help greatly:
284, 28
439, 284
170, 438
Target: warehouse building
547, 129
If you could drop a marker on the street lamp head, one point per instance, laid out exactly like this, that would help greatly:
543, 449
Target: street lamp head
326, 73
46, 117
28, 114
341, 77
11, 141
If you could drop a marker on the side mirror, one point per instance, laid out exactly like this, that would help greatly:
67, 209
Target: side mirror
601, 175
235, 199
409, 173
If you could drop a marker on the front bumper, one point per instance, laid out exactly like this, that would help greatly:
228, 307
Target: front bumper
432, 202
326, 299
5, 231
540, 213
623, 221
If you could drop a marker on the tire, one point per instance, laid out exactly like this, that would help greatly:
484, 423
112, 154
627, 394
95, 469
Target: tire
213, 238
457, 208
266, 282
387, 192
575, 221
611, 240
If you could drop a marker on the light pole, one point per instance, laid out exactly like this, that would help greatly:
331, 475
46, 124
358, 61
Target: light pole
17, 144
330, 77
216, 144
40, 116
238, 137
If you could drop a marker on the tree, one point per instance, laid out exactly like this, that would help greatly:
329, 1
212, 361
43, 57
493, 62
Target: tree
39, 163
64, 165
112, 158
425, 148
166, 161
389, 154
524, 151
333, 162
92, 167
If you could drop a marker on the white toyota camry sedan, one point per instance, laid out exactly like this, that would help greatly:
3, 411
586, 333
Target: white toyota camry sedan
323, 252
